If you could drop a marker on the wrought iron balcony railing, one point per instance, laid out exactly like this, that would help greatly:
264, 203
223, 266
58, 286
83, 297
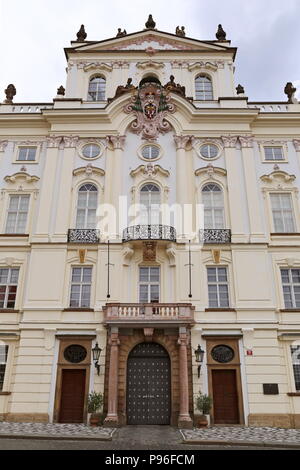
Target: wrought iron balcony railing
214, 235
79, 235
151, 312
149, 232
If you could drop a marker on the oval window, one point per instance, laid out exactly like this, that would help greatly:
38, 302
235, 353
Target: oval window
209, 151
91, 151
75, 353
222, 353
150, 152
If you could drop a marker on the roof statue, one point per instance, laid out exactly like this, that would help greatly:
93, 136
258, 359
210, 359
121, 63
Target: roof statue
180, 31
150, 24
61, 91
10, 92
290, 91
124, 89
240, 89
121, 33
175, 88
81, 35
220, 34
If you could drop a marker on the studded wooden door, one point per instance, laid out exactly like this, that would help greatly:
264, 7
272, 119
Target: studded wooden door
148, 385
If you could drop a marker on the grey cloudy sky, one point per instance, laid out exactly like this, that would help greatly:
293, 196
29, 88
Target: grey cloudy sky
33, 34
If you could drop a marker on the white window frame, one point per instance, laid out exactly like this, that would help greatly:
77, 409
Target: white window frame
17, 212
9, 284
86, 208
3, 355
272, 147
281, 209
218, 283
81, 284
214, 208
295, 362
291, 286
103, 96
18, 146
271, 144
149, 210
202, 91
149, 283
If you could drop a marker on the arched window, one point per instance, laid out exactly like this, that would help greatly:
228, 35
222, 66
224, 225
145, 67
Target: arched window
86, 206
212, 198
203, 88
96, 89
150, 202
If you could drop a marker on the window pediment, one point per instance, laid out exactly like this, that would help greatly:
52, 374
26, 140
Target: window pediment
21, 177
278, 179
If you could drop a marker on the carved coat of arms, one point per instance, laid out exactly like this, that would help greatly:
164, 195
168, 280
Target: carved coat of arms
150, 105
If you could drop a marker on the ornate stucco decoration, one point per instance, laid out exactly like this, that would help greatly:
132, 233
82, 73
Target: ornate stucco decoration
149, 251
278, 178
229, 141
88, 170
246, 141
150, 64
211, 171
127, 253
196, 142
209, 65
98, 66
171, 254
296, 143
150, 105
21, 177
3, 145
150, 170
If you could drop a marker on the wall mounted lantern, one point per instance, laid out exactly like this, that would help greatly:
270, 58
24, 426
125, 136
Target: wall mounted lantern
96, 354
199, 354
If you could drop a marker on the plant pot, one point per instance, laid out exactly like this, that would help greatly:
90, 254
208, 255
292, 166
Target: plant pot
202, 421
95, 419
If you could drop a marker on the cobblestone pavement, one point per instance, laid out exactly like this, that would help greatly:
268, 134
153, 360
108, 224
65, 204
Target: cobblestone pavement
57, 430
243, 434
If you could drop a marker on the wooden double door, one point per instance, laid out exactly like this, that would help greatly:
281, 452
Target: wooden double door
148, 385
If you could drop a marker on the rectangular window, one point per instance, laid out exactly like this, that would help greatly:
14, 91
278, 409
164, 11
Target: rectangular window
291, 287
217, 287
8, 287
81, 287
282, 210
27, 154
17, 214
273, 153
149, 284
3, 360
295, 351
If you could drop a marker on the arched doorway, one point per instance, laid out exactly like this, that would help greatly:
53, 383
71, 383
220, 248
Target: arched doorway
148, 385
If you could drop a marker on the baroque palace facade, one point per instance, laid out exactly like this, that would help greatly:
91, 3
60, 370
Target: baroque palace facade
155, 119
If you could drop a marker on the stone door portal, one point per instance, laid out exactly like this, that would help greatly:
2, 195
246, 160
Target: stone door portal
148, 385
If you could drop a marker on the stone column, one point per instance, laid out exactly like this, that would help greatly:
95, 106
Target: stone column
254, 205
234, 189
112, 412
183, 183
46, 196
65, 189
113, 179
184, 419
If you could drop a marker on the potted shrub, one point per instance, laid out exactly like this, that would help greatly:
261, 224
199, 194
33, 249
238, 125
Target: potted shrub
203, 404
95, 402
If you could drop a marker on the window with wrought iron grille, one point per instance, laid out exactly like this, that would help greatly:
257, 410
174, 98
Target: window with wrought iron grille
149, 279
217, 279
8, 287
295, 351
96, 90
212, 199
3, 361
17, 214
273, 153
283, 214
86, 207
203, 88
81, 283
27, 154
290, 279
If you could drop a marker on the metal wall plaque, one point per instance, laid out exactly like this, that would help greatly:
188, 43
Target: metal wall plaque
75, 353
271, 389
222, 353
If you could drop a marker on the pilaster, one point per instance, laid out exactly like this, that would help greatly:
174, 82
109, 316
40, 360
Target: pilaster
296, 143
184, 419
112, 412
183, 182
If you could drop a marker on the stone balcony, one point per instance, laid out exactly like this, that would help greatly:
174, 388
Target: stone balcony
215, 236
140, 314
76, 235
149, 232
